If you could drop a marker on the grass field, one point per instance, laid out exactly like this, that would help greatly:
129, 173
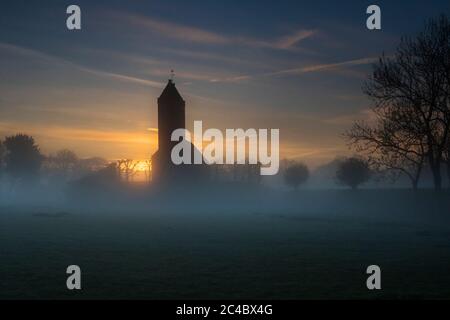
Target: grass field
305, 249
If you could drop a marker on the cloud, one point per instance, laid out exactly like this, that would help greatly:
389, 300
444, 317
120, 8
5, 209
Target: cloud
232, 79
48, 58
55, 60
222, 58
122, 77
160, 68
89, 141
51, 59
339, 67
29, 52
78, 134
176, 31
198, 35
291, 40
325, 67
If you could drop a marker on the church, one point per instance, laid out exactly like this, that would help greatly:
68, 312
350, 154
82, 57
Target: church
172, 116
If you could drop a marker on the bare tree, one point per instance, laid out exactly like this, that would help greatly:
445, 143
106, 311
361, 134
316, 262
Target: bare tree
148, 169
446, 69
63, 163
127, 168
388, 148
414, 82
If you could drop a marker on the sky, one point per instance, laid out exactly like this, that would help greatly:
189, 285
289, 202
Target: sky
297, 66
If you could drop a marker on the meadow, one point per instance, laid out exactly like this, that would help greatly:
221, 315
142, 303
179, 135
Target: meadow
288, 245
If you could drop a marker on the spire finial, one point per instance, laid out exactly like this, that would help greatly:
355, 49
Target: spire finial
172, 75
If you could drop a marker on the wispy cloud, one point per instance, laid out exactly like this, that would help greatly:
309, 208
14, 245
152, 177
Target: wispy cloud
340, 67
289, 41
202, 56
197, 35
122, 77
183, 74
232, 79
48, 58
325, 67
176, 31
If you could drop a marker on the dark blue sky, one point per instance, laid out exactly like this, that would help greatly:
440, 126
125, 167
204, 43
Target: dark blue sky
293, 65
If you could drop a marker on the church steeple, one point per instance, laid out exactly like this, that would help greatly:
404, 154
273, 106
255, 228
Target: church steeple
170, 92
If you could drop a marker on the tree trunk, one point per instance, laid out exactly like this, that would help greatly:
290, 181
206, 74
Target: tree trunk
415, 184
448, 174
437, 177
416, 178
435, 166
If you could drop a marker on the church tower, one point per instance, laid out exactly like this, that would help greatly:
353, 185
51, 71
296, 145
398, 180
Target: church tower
171, 116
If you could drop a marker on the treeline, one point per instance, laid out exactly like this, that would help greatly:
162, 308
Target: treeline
23, 165
350, 172
410, 90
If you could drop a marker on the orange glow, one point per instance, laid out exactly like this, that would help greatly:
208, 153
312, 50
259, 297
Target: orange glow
142, 166
89, 142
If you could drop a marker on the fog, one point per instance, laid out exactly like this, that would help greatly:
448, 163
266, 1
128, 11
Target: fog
220, 238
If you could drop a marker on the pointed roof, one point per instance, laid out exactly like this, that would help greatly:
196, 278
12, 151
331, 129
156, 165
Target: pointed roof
170, 92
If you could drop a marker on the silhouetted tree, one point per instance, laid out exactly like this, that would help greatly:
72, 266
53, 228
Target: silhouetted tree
353, 172
66, 159
62, 164
23, 158
127, 168
387, 147
2, 157
148, 169
296, 174
414, 85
